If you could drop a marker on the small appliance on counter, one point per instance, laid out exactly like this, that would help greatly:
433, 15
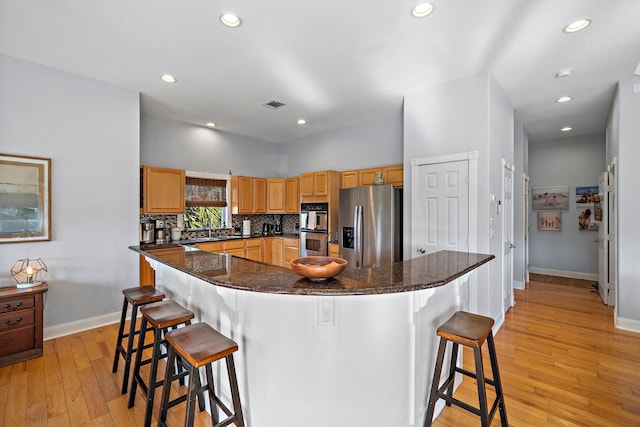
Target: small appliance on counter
246, 227
266, 228
147, 232
161, 232
278, 228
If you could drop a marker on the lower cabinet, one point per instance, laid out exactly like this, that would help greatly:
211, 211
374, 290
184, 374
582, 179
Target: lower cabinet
21, 323
334, 250
253, 249
148, 274
291, 250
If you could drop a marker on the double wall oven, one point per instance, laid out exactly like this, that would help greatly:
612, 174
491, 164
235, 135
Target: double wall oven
314, 229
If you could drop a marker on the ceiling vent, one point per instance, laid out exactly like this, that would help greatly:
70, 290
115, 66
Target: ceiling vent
274, 105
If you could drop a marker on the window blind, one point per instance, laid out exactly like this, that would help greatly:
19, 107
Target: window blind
206, 192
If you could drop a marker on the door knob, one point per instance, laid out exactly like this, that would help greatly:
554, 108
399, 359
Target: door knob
421, 250
512, 246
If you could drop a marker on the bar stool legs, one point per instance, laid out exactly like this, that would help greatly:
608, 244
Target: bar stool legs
136, 297
472, 331
200, 345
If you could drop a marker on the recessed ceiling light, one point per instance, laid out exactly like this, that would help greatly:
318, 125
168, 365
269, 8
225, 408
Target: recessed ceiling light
564, 99
578, 25
566, 129
563, 73
302, 122
211, 124
230, 19
168, 78
422, 10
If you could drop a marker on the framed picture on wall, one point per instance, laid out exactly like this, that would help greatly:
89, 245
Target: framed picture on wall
25, 199
550, 221
550, 198
587, 219
585, 195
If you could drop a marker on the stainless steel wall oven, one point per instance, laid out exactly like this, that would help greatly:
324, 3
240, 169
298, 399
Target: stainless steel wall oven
314, 231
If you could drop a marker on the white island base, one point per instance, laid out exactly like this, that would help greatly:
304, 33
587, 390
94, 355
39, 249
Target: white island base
318, 361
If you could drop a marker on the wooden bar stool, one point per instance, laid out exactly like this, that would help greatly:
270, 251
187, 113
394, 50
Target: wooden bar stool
137, 296
160, 316
469, 330
201, 345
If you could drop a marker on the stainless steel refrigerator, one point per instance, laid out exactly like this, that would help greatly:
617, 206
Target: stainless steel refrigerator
370, 225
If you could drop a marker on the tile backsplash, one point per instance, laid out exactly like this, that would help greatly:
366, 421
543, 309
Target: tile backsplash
290, 224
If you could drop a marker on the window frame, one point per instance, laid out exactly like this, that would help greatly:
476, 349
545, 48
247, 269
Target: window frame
226, 213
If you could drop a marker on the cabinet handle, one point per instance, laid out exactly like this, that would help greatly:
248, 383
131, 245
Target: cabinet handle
18, 319
7, 306
19, 304
7, 321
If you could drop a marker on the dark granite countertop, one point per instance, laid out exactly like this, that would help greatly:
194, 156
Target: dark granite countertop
175, 243
423, 272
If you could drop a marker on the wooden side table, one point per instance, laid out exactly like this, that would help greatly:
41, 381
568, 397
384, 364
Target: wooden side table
21, 312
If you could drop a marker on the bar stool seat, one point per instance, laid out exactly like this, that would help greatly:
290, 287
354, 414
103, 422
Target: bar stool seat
137, 296
160, 316
470, 330
201, 345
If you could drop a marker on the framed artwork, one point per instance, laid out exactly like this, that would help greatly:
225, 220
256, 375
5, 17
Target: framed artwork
586, 195
586, 219
550, 221
551, 198
25, 199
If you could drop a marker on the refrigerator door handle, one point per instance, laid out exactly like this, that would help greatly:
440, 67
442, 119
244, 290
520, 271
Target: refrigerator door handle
359, 238
356, 236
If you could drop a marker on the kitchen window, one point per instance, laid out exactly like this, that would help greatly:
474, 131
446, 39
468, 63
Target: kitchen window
206, 198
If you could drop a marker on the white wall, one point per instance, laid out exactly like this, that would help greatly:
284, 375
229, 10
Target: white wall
576, 161
624, 138
464, 115
373, 143
90, 131
169, 143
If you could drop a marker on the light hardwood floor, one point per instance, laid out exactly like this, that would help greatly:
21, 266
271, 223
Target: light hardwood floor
561, 363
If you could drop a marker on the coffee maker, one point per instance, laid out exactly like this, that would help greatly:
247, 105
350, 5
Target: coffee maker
147, 232
161, 233
278, 228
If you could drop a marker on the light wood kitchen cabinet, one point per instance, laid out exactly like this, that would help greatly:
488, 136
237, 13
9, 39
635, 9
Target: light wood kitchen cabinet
291, 250
267, 250
366, 176
322, 186
248, 195
349, 179
259, 195
233, 247
293, 196
148, 274
334, 250
394, 175
161, 190
253, 249
277, 195
210, 246
278, 252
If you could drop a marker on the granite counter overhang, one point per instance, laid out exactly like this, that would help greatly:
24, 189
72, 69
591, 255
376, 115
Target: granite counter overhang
427, 271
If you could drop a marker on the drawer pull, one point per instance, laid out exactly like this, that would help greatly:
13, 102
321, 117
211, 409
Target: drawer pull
8, 321
19, 304
7, 306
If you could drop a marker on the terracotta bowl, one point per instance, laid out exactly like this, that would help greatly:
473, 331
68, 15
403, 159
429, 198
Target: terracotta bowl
318, 268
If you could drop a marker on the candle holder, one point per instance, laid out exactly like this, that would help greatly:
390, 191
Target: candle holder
29, 272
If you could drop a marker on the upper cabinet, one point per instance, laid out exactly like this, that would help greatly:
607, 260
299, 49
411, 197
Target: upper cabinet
392, 175
319, 186
276, 195
161, 190
248, 195
293, 196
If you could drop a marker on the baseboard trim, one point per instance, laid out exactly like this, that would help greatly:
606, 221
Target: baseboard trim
564, 273
57, 331
627, 324
518, 285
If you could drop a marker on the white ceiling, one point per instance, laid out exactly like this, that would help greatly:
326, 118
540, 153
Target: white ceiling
333, 62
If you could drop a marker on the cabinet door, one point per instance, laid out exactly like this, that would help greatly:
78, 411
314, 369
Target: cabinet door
321, 183
147, 274
291, 251
210, 246
163, 190
306, 184
367, 175
259, 195
349, 179
267, 250
276, 195
245, 195
394, 175
278, 251
254, 252
293, 196
334, 250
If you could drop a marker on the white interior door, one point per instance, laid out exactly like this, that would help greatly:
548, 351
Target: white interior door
507, 234
612, 207
603, 238
443, 208
525, 258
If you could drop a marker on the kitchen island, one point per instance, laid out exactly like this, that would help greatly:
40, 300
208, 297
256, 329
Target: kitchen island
356, 350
